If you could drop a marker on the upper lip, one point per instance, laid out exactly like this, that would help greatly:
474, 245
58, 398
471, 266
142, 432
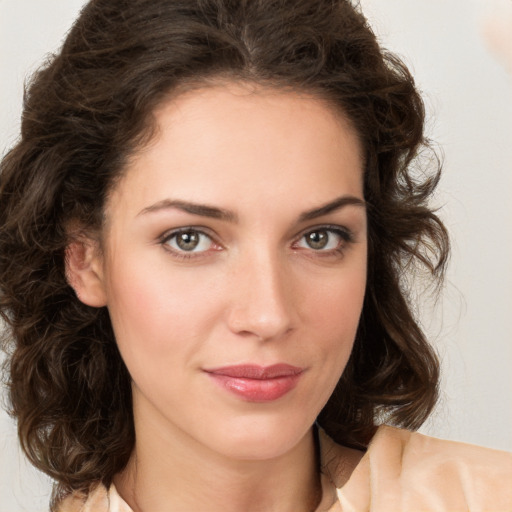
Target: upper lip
257, 372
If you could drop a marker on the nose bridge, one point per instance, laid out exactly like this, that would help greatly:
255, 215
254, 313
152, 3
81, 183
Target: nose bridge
262, 301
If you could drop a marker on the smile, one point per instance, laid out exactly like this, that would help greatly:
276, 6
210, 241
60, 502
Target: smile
255, 383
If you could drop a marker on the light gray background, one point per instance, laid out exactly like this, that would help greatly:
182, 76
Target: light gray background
469, 100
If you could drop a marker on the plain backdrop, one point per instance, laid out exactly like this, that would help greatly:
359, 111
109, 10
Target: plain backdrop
468, 94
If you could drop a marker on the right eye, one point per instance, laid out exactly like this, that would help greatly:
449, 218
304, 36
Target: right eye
188, 241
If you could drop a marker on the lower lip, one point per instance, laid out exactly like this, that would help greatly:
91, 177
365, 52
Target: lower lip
257, 390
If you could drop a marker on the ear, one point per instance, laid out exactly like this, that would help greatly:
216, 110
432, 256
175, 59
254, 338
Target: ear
84, 272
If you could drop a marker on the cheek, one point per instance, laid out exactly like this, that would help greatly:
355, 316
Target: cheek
153, 309
335, 313
337, 302
162, 315
334, 309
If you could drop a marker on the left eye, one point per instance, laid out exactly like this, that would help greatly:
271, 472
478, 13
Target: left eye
321, 240
189, 240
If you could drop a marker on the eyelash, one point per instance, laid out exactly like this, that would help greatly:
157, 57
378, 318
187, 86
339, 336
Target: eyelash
181, 254
345, 235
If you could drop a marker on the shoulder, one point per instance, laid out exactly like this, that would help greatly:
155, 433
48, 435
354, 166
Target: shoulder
413, 455
403, 470
99, 499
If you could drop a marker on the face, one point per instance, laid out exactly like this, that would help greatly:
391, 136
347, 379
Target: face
234, 267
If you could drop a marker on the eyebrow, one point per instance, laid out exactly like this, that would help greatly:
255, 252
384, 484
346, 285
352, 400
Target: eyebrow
204, 210
332, 206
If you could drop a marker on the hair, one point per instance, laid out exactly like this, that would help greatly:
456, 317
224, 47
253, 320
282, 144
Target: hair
90, 107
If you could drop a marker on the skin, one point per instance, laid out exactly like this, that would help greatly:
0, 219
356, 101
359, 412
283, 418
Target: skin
253, 291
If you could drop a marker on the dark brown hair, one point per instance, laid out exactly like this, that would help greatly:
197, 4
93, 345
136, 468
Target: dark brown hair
90, 107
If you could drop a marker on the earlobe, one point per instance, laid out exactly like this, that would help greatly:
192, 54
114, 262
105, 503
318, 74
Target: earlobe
84, 272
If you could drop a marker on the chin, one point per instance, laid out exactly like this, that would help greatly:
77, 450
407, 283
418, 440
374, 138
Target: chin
259, 438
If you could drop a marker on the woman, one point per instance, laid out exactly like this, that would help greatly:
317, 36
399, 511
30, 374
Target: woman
206, 231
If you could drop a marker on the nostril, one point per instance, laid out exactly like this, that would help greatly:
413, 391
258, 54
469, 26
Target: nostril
262, 302
263, 320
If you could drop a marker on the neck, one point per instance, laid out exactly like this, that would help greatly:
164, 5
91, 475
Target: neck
171, 471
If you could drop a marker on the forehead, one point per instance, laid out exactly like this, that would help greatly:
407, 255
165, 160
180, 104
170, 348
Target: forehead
232, 141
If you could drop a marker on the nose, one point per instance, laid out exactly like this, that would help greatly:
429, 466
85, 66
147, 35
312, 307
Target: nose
263, 302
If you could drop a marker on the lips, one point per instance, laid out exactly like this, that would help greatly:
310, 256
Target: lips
256, 383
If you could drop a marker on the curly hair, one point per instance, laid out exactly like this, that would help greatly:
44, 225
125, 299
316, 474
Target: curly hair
90, 107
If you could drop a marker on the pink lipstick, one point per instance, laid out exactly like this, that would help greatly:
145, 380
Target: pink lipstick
255, 383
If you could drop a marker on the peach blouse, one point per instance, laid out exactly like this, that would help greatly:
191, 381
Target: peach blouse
400, 471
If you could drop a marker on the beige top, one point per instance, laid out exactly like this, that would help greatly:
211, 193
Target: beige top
401, 471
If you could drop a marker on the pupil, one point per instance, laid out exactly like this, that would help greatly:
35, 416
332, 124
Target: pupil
188, 240
317, 239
